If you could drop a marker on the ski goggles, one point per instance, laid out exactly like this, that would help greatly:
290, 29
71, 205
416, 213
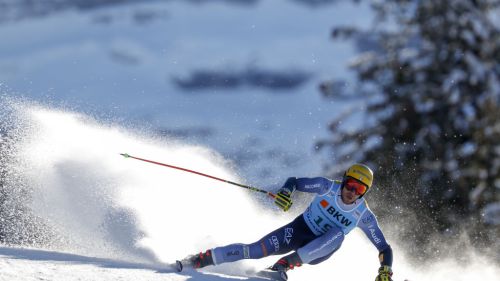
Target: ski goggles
355, 186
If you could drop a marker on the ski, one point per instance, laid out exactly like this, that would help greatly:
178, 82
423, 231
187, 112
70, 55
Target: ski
269, 274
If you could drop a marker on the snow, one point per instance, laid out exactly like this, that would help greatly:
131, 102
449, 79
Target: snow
92, 90
35, 264
124, 219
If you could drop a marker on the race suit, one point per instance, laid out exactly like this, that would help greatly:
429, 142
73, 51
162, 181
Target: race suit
318, 232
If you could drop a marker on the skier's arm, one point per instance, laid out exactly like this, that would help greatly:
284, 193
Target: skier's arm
318, 185
370, 227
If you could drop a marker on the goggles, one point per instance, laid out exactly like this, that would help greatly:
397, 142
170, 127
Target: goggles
356, 186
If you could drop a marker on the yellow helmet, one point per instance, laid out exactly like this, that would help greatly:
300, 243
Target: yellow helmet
360, 172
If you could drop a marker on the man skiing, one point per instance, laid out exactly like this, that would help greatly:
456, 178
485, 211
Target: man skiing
318, 232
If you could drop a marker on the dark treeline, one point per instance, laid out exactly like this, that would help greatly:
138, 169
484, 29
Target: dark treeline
431, 121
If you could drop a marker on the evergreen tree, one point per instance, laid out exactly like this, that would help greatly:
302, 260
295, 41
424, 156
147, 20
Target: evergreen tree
431, 125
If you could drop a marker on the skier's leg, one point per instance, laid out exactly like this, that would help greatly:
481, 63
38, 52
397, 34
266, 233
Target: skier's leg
322, 259
268, 245
322, 247
314, 252
279, 241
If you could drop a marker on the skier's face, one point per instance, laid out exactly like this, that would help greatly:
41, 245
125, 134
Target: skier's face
353, 185
349, 194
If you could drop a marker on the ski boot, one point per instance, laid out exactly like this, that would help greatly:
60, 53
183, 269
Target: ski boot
286, 263
196, 261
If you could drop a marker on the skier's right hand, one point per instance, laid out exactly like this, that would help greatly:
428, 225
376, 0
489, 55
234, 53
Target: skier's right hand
283, 199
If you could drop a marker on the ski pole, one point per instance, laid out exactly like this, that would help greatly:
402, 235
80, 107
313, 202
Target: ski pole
270, 194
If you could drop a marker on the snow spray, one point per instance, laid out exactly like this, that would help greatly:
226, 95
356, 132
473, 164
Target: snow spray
100, 205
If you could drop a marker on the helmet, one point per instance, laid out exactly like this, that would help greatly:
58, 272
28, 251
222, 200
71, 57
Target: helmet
360, 172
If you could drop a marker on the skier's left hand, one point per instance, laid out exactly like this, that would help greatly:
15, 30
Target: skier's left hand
384, 273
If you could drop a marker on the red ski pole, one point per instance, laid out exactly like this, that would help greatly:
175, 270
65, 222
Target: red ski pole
270, 194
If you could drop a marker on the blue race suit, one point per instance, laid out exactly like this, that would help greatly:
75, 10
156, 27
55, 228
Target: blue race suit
318, 232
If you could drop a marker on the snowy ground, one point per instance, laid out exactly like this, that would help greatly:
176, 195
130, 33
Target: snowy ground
33, 264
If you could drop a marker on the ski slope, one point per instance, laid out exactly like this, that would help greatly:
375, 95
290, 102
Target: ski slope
33, 264
121, 219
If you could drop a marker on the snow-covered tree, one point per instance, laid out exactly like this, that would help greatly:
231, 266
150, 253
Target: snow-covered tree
431, 127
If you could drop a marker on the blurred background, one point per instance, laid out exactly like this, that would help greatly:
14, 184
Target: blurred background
280, 88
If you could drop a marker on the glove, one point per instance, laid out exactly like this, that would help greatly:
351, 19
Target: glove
384, 273
283, 199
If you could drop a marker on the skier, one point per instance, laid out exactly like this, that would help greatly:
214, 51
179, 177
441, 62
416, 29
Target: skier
318, 232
